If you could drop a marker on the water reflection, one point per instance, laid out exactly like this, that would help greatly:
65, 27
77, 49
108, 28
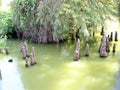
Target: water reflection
65, 53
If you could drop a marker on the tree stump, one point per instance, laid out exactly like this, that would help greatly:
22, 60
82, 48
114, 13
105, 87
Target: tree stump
116, 36
26, 49
114, 48
103, 52
32, 57
87, 50
26, 62
107, 45
111, 36
102, 31
23, 52
77, 51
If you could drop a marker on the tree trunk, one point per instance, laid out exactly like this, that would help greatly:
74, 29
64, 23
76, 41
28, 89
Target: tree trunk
103, 52
38, 33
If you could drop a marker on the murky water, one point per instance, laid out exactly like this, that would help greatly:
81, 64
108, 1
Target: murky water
56, 70
11, 79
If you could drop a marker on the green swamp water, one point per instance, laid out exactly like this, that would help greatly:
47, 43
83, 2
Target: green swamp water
56, 70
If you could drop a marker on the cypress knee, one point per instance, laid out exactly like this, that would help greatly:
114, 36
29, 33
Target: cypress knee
103, 52
108, 38
77, 51
111, 36
23, 52
26, 62
107, 45
114, 48
32, 57
102, 31
87, 50
26, 49
116, 36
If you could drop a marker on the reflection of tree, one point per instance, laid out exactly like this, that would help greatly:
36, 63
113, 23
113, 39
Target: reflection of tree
67, 48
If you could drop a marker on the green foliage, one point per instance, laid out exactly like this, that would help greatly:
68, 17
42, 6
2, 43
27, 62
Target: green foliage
3, 40
6, 23
46, 12
64, 16
76, 15
23, 12
119, 11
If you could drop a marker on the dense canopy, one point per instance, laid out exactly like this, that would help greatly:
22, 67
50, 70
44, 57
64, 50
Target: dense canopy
44, 21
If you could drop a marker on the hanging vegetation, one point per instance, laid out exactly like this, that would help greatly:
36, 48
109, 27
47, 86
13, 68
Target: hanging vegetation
44, 21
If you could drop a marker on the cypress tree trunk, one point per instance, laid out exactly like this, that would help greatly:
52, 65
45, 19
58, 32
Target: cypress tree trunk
77, 51
38, 32
103, 52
